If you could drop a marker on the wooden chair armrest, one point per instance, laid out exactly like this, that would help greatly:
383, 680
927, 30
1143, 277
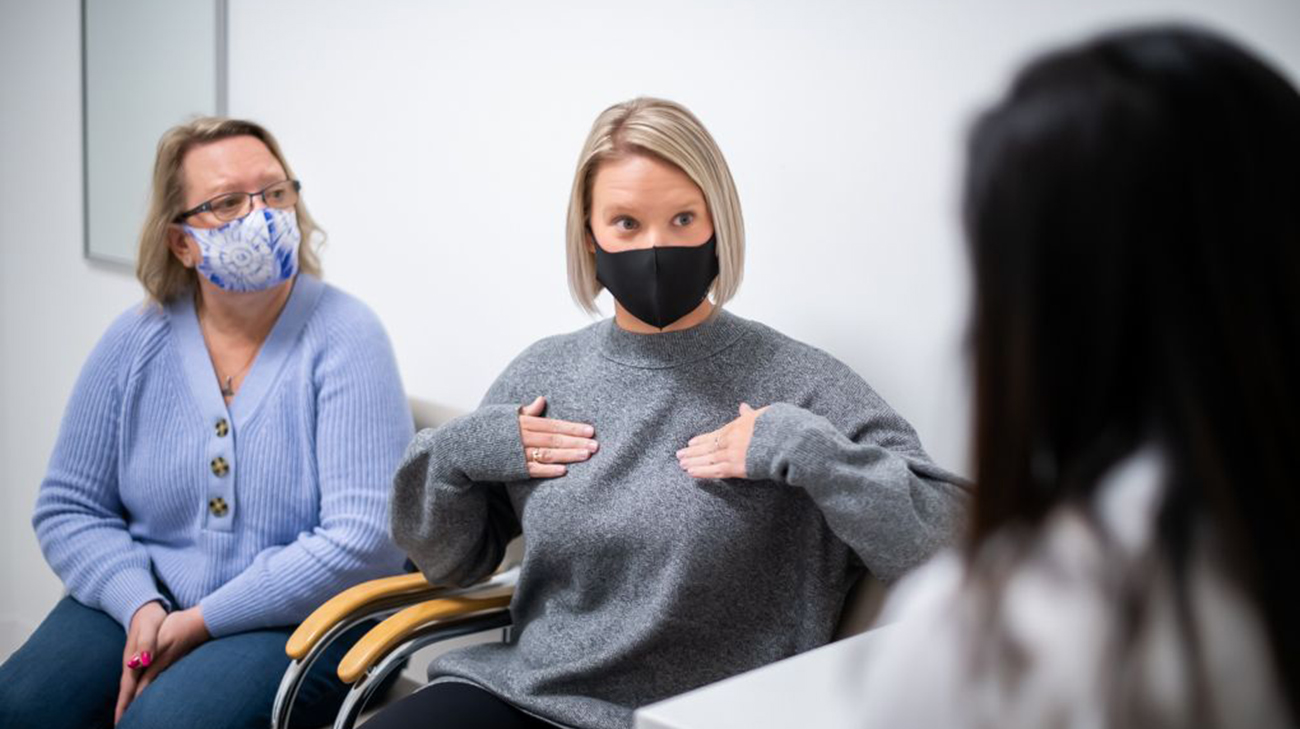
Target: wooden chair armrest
383, 593
394, 631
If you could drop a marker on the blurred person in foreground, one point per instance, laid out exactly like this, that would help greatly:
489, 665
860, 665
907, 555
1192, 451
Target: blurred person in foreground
1133, 213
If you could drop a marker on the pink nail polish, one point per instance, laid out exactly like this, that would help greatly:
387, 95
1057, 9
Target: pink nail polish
133, 663
145, 659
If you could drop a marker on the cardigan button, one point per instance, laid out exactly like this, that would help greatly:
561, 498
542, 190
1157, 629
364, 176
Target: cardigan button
223, 428
218, 507
219, 466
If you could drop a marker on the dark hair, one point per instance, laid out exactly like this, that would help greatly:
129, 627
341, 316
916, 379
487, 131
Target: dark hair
1133, 211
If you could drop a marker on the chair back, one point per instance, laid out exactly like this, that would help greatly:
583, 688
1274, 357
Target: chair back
431, 414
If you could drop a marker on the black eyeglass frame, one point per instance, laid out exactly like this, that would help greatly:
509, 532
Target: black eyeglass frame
206, 206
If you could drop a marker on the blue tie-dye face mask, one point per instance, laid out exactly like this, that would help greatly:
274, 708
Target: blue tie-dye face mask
252, 253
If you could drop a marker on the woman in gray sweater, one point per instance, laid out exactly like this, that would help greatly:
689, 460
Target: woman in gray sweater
670, 543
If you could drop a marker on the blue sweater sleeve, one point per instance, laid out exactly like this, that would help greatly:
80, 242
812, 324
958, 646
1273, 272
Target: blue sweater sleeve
363, 424
79, 520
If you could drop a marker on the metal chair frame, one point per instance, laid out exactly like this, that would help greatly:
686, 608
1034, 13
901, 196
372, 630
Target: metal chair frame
364, 689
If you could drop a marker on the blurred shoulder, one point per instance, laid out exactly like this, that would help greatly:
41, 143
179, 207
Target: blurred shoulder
144, 318
136, 331
338, 308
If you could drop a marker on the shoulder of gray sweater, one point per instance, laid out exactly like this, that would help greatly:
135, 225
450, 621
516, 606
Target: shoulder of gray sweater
819, 370
562, 347
832, 389
539, 360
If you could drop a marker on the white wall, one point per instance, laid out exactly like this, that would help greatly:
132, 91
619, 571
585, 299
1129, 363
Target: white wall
53, 303
436, 143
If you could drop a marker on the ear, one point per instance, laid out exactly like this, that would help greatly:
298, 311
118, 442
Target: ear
591, 239
180, 246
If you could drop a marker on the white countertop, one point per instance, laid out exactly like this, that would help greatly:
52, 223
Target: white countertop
814, 689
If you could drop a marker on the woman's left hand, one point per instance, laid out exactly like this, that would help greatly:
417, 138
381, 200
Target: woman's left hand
180, 633
721, 453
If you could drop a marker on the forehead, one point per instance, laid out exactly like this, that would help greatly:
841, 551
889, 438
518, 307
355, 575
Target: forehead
642, 180
241, 163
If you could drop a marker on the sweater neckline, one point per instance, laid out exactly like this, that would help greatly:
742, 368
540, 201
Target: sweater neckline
202, 377
670, 349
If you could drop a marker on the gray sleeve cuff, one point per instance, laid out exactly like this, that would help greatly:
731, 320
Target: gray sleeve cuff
777, 433
486, 445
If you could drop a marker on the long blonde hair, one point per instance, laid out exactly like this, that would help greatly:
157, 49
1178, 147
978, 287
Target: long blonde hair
163, 277
669, 132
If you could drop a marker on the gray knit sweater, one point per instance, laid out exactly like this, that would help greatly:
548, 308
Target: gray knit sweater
639, 582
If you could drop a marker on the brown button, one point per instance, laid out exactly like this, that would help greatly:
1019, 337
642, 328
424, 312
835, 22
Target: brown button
218, 506
223, 428
219, 466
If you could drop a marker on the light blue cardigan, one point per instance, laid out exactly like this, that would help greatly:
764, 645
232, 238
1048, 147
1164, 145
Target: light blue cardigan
136, 501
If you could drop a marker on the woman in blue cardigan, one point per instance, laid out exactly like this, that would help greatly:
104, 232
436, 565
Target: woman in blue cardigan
223, 464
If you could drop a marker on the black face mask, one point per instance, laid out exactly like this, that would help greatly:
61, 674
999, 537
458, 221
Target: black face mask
659, 285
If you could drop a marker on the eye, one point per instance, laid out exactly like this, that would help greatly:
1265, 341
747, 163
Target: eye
625, 223
229, 203
683, 219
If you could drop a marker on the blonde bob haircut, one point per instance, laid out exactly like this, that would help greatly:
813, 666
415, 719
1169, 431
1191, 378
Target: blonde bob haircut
668, 132
163, 277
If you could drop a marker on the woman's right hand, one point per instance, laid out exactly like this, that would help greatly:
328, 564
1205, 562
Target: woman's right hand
141, 643
549, 444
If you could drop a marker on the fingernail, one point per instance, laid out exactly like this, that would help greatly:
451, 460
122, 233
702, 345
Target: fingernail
592, 446
145, 659
588, 431
134, 662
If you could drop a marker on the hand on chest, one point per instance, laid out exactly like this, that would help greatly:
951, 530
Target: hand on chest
635, 480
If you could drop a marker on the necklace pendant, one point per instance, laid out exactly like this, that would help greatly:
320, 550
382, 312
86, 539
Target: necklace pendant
228, 389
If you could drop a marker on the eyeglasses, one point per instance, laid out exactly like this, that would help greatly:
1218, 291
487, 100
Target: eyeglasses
234, 205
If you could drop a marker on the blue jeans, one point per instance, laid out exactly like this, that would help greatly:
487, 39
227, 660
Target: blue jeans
67, 674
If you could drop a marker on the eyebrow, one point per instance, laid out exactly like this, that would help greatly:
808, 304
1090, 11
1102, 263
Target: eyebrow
271, 177
620, 208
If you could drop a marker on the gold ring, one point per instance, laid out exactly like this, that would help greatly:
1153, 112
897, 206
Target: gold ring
537, 455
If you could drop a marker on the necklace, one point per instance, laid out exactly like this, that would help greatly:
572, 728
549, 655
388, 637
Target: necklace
228, 385
228, 389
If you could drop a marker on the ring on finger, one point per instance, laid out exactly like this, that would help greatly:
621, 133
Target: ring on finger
537, 455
